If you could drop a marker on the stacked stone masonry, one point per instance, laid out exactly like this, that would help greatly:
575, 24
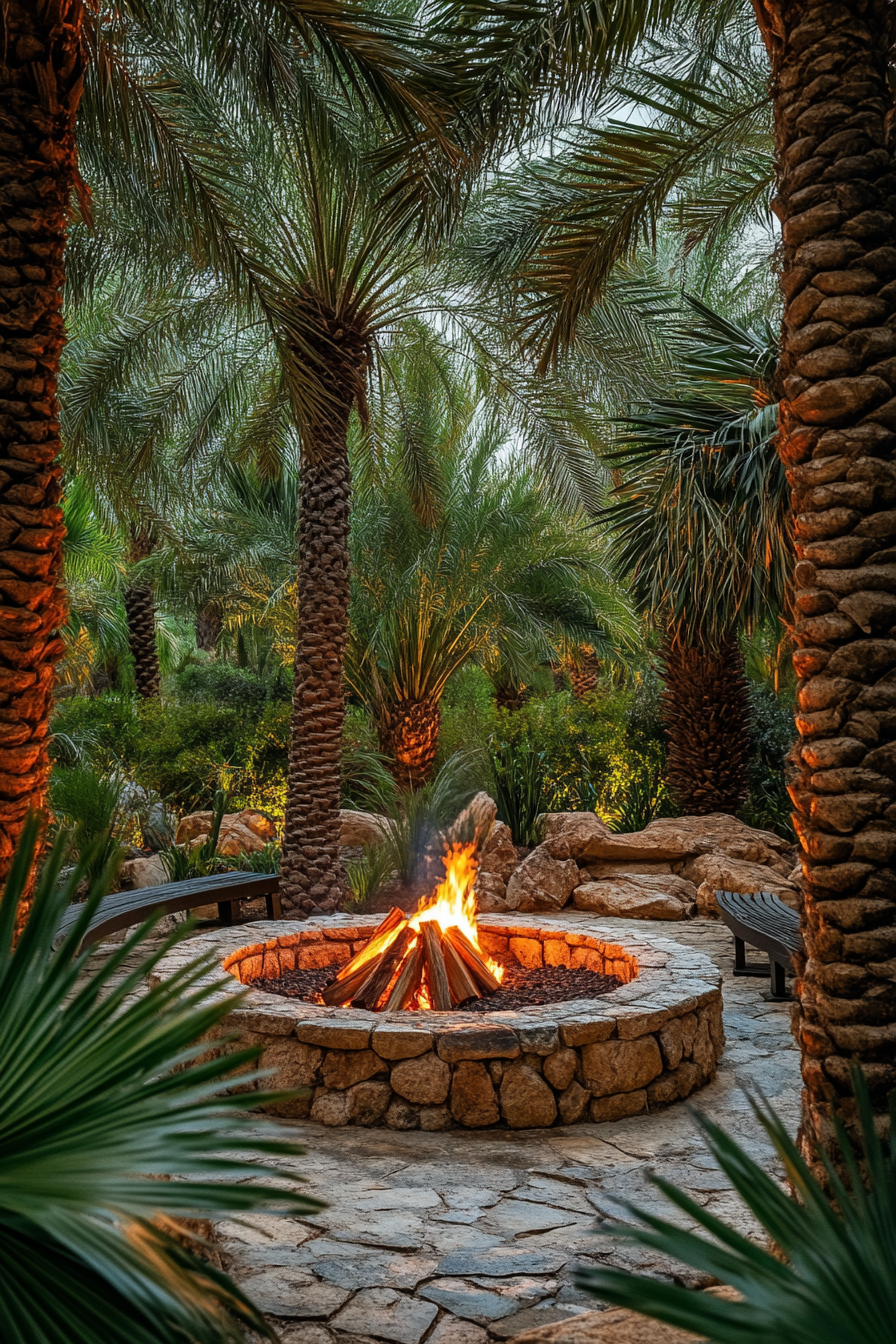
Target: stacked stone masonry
648, 1043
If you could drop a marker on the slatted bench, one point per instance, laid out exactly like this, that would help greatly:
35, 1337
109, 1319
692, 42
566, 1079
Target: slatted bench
122, 909
763, 921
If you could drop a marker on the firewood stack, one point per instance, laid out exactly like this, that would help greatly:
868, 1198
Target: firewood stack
411, 967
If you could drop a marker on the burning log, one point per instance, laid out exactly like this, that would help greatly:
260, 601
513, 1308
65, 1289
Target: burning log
384, 969
353, 975
437, 975
428, 960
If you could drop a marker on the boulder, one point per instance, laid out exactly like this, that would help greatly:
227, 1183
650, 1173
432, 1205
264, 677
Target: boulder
245, 832
499, 857
357, 829
630, 900
716, 872
733, 837
582, 831
639, 896
474, 822
491, 892
610, 868
142, 872
621, 1066
542, 882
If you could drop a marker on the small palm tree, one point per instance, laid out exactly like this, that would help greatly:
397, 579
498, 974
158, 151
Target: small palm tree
106, 1094
492, 571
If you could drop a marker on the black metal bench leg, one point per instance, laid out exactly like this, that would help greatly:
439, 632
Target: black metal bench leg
273, 906
740, 960
778, 982
226, 911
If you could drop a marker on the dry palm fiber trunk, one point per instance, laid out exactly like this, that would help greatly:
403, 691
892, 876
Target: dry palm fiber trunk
140, 610
706, 713
837, 202
311, 871
41, 68
409, 734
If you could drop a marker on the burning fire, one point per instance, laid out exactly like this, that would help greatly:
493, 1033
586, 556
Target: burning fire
439, 952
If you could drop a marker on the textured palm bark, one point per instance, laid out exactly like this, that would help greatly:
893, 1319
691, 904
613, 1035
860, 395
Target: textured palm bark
208, 629
409, 734
837, 201
584, 674
140, 612
41, 67
706, 713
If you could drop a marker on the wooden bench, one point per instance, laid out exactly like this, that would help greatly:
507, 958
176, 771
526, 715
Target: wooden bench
122, 909
763, 921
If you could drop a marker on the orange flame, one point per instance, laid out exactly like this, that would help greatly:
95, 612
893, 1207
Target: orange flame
454, 904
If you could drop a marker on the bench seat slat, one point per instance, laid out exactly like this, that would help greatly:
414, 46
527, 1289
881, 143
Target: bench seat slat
122, 909
762, 920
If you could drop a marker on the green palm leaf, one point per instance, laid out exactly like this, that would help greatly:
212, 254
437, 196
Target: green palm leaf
830, 1275
105, 1093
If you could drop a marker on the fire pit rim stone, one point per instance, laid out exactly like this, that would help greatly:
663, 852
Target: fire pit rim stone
671, 980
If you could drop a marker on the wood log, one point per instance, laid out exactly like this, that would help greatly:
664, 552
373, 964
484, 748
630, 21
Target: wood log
461, 982
472, 960
439, 990
376, 984
406, 986
393, 920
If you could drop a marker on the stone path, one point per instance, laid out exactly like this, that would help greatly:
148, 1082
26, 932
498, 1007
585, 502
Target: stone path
467, 1236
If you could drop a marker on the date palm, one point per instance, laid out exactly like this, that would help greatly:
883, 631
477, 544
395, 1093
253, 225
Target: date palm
831, 103
699, 517
127, 104
490, 571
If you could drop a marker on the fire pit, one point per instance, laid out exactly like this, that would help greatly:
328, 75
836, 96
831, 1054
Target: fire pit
639, 1027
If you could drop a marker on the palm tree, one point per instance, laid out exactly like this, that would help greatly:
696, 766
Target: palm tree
128, 107
492, 570
831, 103
699, 516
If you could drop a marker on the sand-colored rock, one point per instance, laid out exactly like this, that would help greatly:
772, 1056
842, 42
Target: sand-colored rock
473, 1101
491, 893
360, 828
601, 869
638, 896
582, 831
526, 1100
717, 872
572, 1103
344, 1068
499, 856
542, 882
245, 832
135, 874
560, 1068
474, 822
424, 1080
621, 1066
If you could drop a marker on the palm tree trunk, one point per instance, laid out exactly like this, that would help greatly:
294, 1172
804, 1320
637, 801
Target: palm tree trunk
837, 201
208, 629
707, 715
41, 66
140, 610
409, 734
311, 871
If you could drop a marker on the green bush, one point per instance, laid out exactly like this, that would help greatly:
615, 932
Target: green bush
230, 687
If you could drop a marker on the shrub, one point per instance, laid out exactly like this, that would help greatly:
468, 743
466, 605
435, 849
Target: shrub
230, 687
521, 788
773, 733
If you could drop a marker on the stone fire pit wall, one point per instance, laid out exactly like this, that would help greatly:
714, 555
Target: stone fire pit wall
655, 1039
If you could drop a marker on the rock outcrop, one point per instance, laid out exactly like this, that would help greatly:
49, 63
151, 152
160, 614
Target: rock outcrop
669, 870
245, 832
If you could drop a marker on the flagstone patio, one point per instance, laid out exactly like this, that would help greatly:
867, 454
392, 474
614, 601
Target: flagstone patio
462, 1236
